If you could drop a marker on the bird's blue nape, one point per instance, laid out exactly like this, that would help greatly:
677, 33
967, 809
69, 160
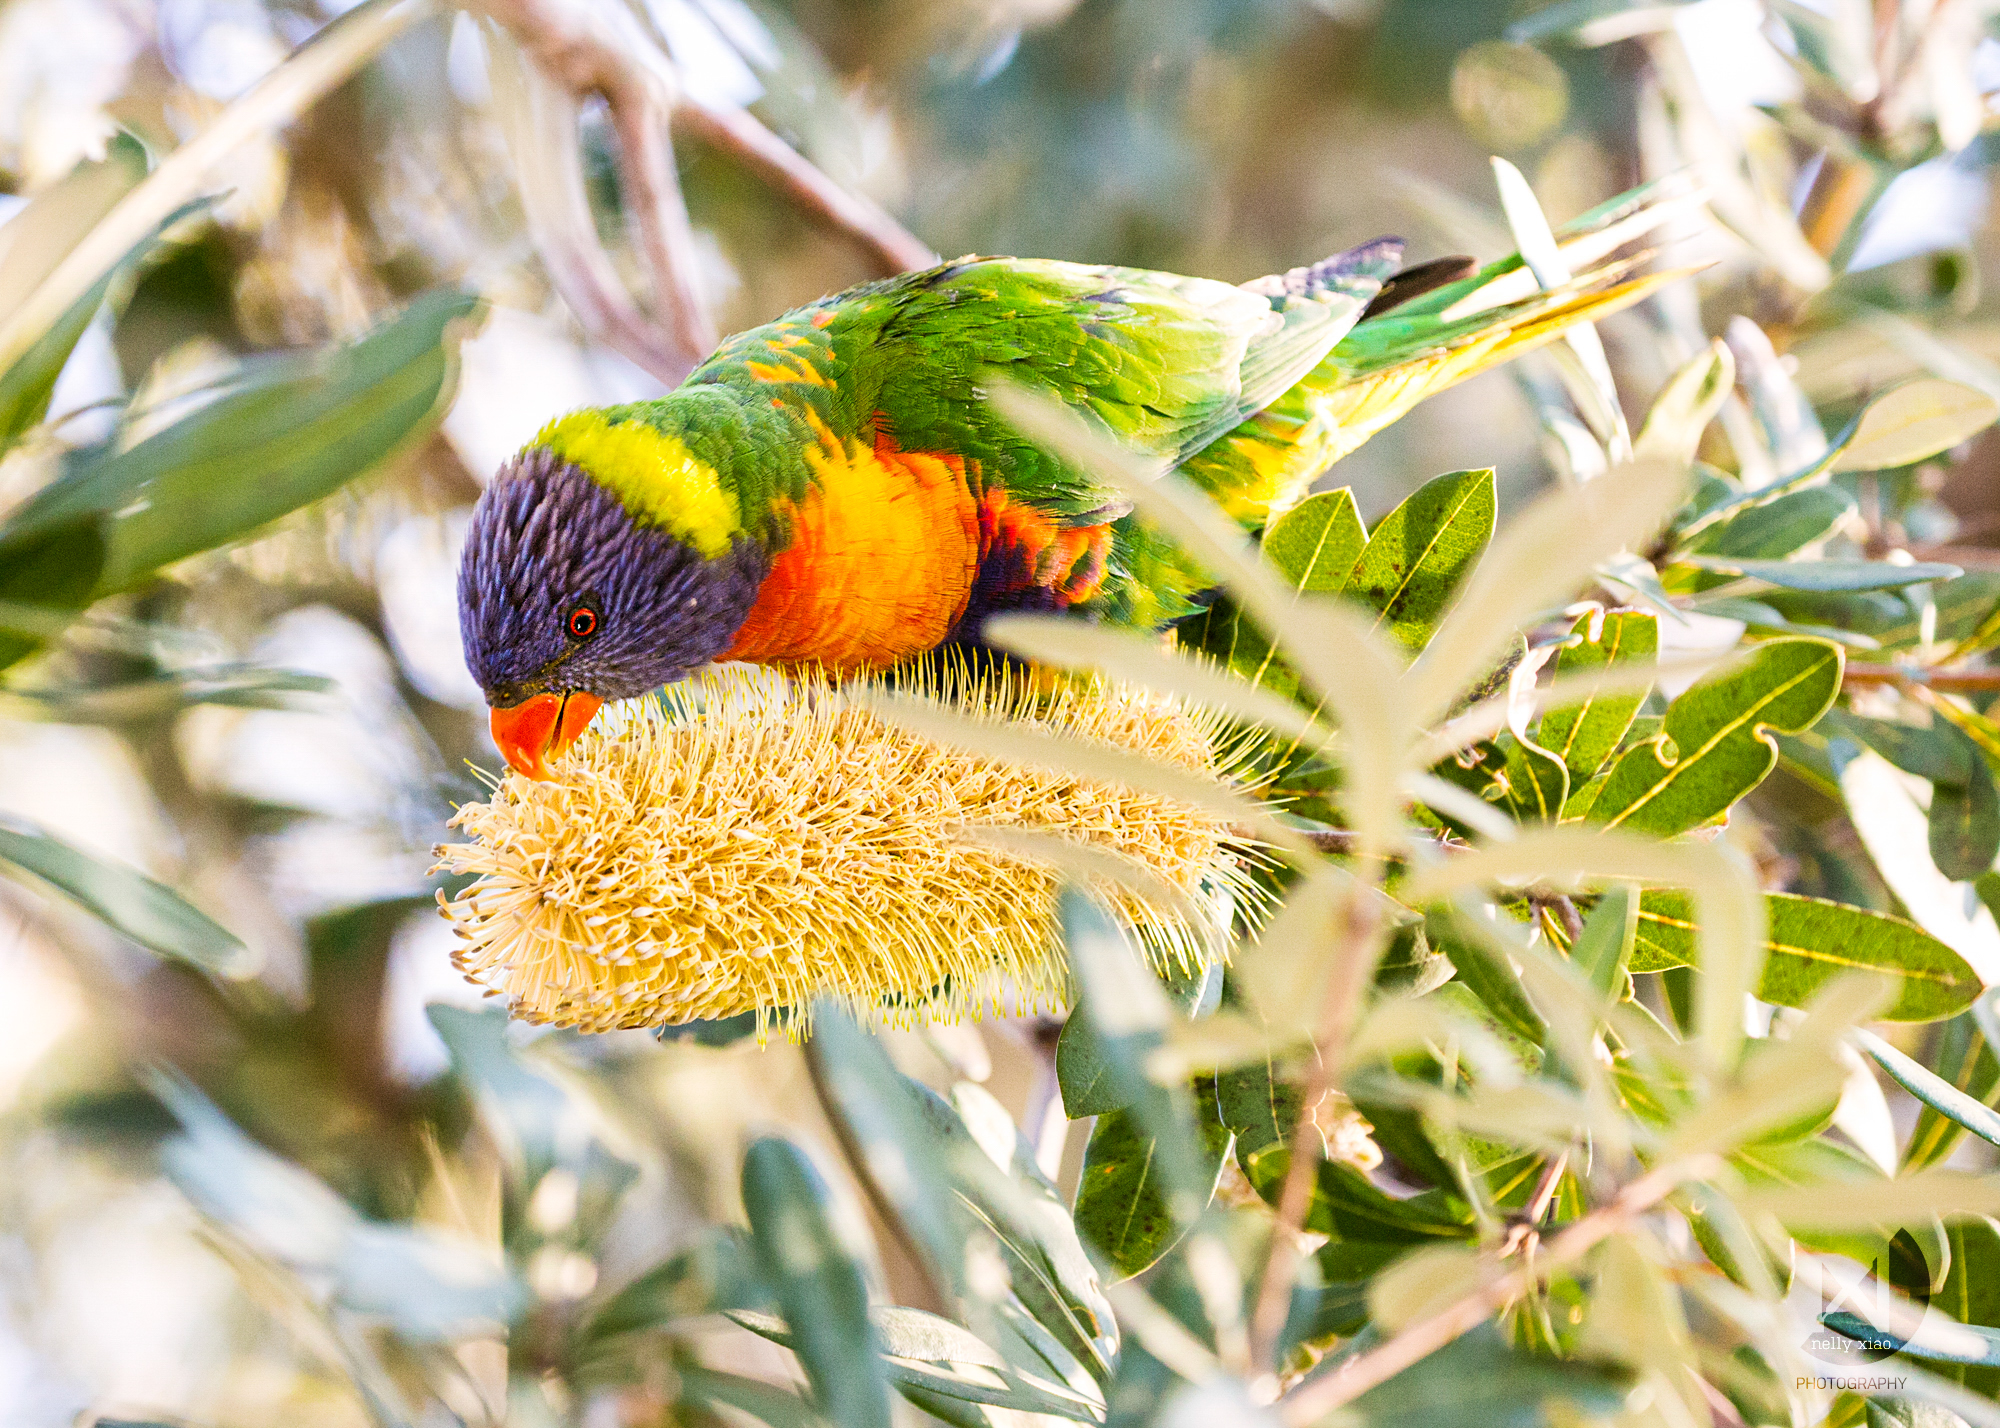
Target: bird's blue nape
546, 538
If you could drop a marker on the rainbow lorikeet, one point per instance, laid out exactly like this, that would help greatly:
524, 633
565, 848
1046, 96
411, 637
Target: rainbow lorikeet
831, 488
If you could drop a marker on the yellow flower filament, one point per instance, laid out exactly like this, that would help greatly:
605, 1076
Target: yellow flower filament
759, 843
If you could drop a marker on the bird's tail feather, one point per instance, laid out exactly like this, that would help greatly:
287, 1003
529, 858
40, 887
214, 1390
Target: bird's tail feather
1434, 340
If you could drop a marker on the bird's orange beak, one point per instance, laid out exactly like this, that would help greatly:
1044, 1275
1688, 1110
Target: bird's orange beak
546, 724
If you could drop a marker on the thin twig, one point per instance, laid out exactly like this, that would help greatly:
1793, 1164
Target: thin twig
598, 50
1910, 676
931, 1295
1345, 983
586, 50
894, 248
1321, 1394
1545, 1189
318, 66
666, 238
1564, 911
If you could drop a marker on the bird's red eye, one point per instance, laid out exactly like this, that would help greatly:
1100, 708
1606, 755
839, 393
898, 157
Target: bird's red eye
583, 622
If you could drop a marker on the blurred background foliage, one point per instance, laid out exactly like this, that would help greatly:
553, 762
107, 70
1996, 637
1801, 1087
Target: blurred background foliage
262, 1158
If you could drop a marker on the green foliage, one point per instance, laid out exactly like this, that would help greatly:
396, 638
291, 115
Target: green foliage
1812, 941
1527, 1096
816, 1282
125, 900
1714, 744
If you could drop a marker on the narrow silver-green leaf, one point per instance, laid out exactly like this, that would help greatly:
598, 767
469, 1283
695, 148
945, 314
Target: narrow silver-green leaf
1916, 421
290, 434
1933, 1090
817, 1282
1825, 574
126, 900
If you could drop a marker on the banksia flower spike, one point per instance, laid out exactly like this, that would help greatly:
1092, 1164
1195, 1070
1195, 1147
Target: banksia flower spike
753, 844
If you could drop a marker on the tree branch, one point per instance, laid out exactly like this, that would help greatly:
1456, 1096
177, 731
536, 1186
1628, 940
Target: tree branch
1319, 1395
739, 133
586, 49
931, 1294
1347, 982
1948, 681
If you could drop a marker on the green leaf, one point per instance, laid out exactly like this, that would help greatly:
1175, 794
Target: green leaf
1965, 822
877, 1110
1314, 546
1824, 574
818, 1285
1128, 1013
1483, 967
1604, 948
1064, 1318
1083, 1075
1476, 1381
1716, 745
123, 701
428, 1286
1347, 1204
1316, 543
712, 1274
48, 573
1932, 1089
1337, 1305
928, 1358
1910, 1257
289, 433
125, 900
34, 241
706, 1388
1938, 753
1685, 406
1971, 1295
1857, 1328
1590, 23
1960, 1055
1537, 782
1124, 1201
1584, 735
1953, 611
1916, 421
1810, 941
1778, 528
1261, 1109
538, 1119
1419, 552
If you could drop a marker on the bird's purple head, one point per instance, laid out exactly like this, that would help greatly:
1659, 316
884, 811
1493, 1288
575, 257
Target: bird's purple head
565, 601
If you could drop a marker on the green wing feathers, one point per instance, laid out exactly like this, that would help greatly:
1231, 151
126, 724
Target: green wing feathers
1250, 390
1388, 363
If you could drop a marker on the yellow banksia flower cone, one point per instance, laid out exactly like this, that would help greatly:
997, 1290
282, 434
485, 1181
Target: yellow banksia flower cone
755, 844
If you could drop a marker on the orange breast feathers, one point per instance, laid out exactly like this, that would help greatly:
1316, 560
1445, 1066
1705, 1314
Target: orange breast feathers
881, 562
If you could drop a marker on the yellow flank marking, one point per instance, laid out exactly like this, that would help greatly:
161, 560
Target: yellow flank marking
803, 372
659, 480
1273, 466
